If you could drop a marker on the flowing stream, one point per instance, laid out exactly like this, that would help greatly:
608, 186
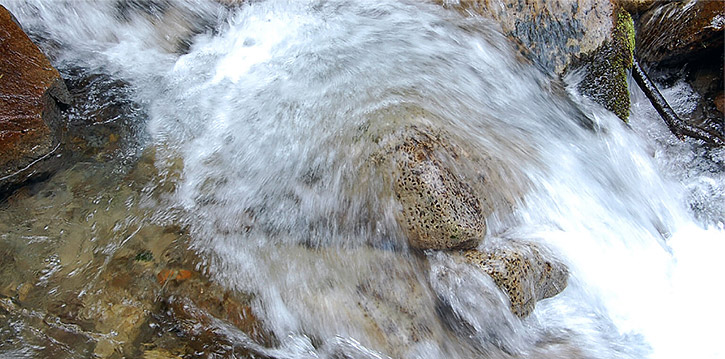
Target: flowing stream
263, 120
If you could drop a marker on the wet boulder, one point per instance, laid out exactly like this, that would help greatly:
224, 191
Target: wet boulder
443, 185
677, 31
31, 94
638, 6
174, 23
377, 297
560, 36
440, 209
524, 271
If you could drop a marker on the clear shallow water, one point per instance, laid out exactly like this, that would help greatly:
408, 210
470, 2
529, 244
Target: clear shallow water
263, 126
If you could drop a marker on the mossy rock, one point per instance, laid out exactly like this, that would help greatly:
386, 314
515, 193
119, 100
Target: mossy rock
606, 76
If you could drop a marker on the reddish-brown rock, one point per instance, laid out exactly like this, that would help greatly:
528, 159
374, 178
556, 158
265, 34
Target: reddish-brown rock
30, 89
638, 6
720, 103
679, 30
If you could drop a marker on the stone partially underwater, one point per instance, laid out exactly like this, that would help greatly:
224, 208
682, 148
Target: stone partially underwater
446, 191
31, 95
524, 271
440, 209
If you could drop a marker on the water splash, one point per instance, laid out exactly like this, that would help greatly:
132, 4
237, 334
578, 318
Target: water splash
276, 109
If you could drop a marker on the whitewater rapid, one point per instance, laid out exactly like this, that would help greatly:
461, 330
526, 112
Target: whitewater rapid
276, 107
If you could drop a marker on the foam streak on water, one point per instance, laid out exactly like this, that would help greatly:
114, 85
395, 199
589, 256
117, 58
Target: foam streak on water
278, 108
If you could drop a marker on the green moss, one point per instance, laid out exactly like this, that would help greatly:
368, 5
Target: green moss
624, 35
144, 256
606, 80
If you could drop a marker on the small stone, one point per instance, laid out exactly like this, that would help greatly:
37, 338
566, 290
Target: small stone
121, 280
144, 256
23, 291
9, 290
104, 348
7, 305
173, 274
183, 274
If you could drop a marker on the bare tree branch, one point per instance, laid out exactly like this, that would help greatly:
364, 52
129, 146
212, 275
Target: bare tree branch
676, 125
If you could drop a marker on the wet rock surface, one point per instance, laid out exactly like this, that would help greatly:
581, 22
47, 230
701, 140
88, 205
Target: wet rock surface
84, 281
103, 121
394, 312
175, 26
31, 94
445, 189
561, 36
678, 31
685, 40
638, 6
524, 271
552, 33
440, 210
149, 295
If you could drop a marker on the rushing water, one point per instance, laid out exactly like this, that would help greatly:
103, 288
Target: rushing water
263, 119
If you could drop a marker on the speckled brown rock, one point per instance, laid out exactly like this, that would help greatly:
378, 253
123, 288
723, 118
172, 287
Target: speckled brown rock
440, 209
523, 270
29, 91
443, 185
678, 30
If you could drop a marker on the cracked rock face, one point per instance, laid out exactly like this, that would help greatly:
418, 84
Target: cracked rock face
525, 272
30, 90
